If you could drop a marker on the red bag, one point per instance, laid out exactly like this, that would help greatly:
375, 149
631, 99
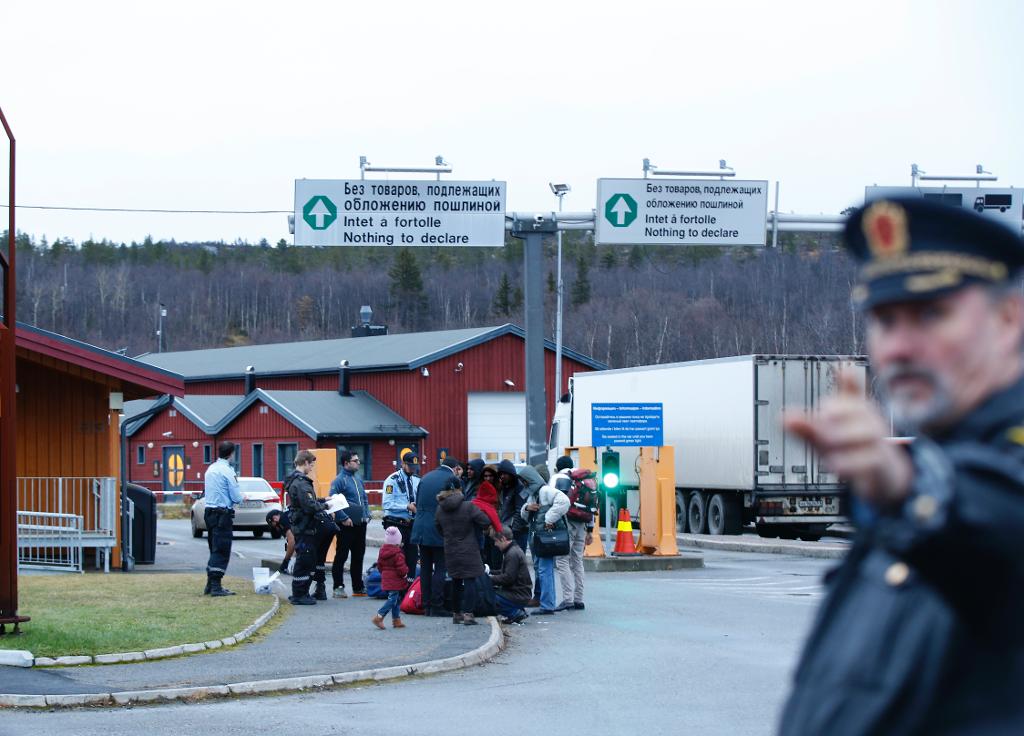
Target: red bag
412, 603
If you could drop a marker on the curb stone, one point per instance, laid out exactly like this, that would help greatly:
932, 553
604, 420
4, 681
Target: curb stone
494, 644
161, 652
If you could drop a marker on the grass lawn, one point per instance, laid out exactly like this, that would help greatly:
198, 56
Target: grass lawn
102, 614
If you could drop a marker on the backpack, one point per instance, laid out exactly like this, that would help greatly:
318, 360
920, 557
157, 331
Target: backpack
582, 495
371, 582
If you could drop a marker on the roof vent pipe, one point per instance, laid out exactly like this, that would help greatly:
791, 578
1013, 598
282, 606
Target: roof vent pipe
250, 379
343, 379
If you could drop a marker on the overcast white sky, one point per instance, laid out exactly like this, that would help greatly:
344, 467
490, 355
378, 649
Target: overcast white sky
222, 105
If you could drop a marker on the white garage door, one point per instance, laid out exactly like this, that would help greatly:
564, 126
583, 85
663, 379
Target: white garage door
497, 427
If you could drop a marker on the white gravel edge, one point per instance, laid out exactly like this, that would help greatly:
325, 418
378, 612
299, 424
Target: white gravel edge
494, 644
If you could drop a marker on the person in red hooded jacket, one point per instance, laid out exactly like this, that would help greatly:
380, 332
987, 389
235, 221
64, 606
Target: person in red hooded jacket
486, 499
393, 569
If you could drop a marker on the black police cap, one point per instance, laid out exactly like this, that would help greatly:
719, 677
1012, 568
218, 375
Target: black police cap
912, 249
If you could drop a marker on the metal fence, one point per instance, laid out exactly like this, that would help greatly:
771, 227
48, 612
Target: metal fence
49, 541
91, 499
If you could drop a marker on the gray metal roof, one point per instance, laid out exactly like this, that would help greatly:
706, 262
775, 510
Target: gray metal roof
316, 413
407, 351
327, 413
203, 411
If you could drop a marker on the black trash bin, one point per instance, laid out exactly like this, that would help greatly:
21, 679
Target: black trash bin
143, 529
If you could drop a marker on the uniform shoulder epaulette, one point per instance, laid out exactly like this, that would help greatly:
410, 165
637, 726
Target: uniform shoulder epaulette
1016, 435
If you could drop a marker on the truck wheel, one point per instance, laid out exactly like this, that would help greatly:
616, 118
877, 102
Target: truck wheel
768, 531
697, 514
680, 513
258, 533
724, 516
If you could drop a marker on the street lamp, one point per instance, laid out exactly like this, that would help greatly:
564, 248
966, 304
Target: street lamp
160, 329
559, 190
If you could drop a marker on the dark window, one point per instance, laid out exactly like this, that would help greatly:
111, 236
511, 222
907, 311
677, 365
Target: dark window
140, 455
257, 460
286, 453
363, 450
207, 454
236, 459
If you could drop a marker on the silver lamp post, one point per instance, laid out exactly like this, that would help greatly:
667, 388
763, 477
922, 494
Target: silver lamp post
160, 329
559, 191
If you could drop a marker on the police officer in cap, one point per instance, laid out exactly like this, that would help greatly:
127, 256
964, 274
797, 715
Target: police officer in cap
921, 632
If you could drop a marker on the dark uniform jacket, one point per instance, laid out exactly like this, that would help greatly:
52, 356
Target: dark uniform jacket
923, 628
303, 505
458, 520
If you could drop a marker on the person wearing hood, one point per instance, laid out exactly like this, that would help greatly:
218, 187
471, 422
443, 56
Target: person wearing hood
458, 521
471, 481
554, 505
512, 494
487, 501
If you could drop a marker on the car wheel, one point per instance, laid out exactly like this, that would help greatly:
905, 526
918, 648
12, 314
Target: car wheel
196, 531
258, 533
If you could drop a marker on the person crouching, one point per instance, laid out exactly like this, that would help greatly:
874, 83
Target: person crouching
393, 569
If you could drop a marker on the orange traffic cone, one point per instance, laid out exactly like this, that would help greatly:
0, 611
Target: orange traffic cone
624, 544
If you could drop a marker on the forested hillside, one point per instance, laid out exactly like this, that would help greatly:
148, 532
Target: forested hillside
623, 306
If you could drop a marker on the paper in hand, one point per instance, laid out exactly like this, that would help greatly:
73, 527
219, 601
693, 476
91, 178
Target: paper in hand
336, 503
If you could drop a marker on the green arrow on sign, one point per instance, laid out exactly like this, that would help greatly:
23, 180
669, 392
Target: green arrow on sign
620, 210
319, 212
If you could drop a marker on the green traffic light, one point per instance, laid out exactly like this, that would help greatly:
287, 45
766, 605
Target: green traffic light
610, 469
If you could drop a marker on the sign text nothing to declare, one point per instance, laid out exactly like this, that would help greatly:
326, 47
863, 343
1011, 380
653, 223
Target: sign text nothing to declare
402, 213
627, 425
681, 212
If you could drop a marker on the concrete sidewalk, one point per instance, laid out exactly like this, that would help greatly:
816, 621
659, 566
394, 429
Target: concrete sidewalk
329, 644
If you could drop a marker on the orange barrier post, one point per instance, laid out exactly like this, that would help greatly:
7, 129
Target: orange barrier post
624, 544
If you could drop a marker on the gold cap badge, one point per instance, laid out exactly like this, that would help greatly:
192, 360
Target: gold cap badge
885, 228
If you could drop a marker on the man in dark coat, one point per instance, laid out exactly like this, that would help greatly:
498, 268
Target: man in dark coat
513, 582
305, 510
472, 479
512, 494
921, 632
458, 521
426, 535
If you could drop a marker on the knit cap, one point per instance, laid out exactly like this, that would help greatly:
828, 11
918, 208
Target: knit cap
392, 535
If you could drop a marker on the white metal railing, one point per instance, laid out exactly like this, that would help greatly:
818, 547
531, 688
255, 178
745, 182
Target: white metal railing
49, 541
93, 499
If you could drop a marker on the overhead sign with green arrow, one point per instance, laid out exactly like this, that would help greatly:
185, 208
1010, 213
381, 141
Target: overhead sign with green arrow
681, 212
399, 213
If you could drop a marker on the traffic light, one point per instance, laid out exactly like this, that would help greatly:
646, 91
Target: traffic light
610, 470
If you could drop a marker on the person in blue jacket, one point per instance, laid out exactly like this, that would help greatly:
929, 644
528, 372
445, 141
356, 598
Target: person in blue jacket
429, 539
352, 522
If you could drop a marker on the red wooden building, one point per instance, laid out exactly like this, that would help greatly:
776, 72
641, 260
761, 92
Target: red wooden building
69, 400
454, 392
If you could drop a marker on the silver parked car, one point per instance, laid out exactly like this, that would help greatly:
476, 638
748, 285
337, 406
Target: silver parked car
257, 499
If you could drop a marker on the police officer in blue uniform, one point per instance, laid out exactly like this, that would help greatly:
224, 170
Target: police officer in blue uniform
922, 631
221, 494
399, 505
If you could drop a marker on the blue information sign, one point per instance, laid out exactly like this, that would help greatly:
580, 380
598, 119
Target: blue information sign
627, 425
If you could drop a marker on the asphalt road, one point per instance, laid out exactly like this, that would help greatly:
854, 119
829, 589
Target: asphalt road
709, 651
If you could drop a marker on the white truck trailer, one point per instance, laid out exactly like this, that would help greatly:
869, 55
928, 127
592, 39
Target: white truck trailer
735, 465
